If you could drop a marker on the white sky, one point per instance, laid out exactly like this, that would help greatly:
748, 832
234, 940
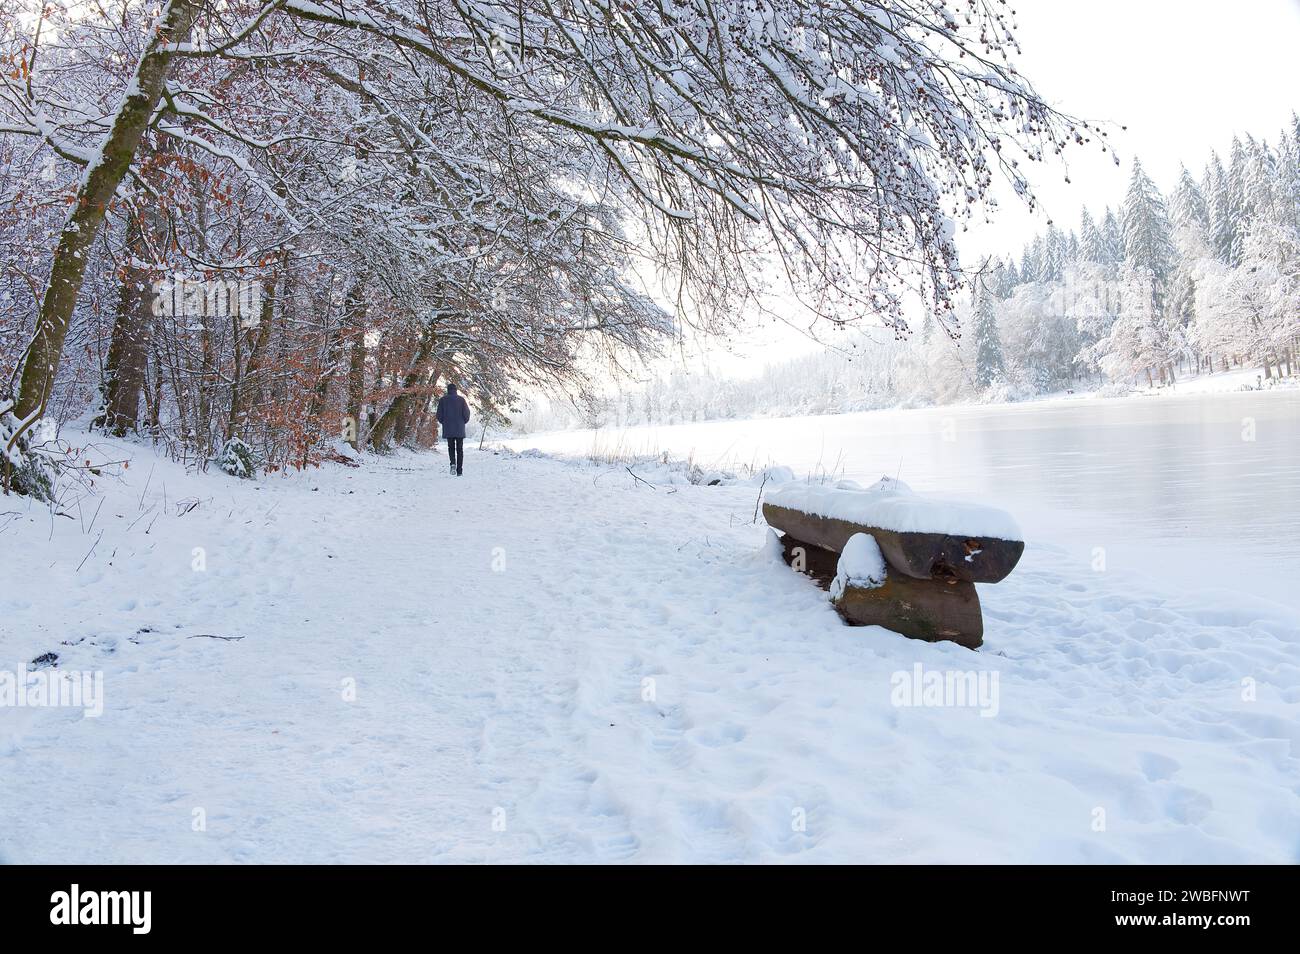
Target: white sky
1183, 75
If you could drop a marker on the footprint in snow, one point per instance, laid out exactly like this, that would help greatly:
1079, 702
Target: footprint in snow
1157, 767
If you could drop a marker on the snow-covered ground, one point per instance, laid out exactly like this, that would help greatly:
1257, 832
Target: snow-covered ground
1223, 382
551, 661
1219, 382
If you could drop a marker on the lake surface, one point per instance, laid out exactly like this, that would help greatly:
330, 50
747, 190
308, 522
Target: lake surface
1196, 490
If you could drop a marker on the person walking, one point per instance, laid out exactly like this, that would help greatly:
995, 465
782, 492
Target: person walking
453, 415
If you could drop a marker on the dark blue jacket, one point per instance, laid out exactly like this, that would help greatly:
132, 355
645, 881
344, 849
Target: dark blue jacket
453, 413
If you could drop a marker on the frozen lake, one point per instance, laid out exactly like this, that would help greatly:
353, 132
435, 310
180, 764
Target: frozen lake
1196, 490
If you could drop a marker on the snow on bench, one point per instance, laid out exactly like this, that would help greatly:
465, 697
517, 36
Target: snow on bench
923, 537
900, 560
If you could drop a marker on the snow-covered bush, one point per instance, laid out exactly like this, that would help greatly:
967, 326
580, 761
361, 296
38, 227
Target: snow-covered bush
23, 470
1003, 391
236, 459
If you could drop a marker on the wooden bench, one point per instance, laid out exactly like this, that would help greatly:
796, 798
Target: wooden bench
932, 553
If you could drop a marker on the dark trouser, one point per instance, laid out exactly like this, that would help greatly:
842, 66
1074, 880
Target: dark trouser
456, 451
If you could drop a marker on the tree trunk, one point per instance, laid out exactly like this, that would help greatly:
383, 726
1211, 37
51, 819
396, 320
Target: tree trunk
408, 423
100, 182
236, 373
206, 378
250, 390
356, 324
128, 349
387, 422
153, 395
320, 392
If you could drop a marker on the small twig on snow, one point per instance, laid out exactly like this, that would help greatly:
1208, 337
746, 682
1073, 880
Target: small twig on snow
90, 551
96, 516
759, 500
640, 480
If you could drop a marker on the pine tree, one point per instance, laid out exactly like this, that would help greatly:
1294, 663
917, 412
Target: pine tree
1223, 210
1139, 339
1260, 190
1148, 241
1290, 168
1054, 254
1091, 247
1255, 190
1219, 266
1287, 190
989, 365
1031, 261
1191, 217
1112, 240
1188, 207
1013, 275
999, 279
1235, 201
1182, 298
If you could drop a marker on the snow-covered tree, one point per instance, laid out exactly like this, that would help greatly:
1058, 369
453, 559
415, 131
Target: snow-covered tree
1091, 247
1140, 340
1253, 309
1190, 214
1224, 210
843, 142
1148, 242
1055, 255
1090, 301
989, 365
1038, 337
1012, 278
1112, 239
1207, 222
1188, 208
1287, 193
1235, 200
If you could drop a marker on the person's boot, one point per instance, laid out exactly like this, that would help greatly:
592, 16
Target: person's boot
453, 470
458, 473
